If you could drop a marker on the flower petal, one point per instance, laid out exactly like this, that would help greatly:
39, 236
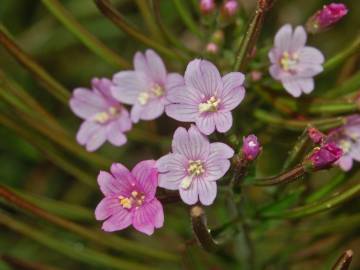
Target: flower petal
174, 80
203, 76
149, 216
223, 121
152, 110
190, 195
292, 86
92, 135
206, 123
85, 103
115, 134
207, 191
146, 176
107, 207
221, 150
121, 183
128, 85
345, 163
298, 39
283, 37
233, 92
152, 65
311, 55
119, 221
172, 168
307, 85
182, 112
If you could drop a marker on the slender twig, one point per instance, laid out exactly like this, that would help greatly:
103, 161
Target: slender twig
249, 40
25, 265
117, 18
90, 41
50, 84
101, 238
344, 261
201, 230
297, 150
349, 86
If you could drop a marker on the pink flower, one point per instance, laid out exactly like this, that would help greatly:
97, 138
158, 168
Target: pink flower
230, 8
325, 156
194, 166
251, 147
326, 17
206, 99
347, 138
105, 118
293, 63
207, 6
130, 198
146, 87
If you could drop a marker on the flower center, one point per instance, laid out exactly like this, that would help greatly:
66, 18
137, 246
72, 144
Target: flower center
195, 168
345, 145
104, 117
155, 91
135, 199
289, 61
211, 105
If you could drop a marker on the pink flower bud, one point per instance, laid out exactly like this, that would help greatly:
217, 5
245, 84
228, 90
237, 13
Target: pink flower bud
315, 135
323, 157
207, 6
256, 75
324, 18
251, 147
212, 48
229, 8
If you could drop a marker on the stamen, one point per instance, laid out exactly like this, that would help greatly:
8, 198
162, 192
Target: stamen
143, 98
195, 167
126, 203
104, 117
211, 105
157, 90
289, 61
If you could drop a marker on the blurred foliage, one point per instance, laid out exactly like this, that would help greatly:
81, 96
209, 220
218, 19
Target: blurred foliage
63, 181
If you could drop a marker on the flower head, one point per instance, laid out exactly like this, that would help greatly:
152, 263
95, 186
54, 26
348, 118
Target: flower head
207, 98
251, 147
105, 118
207, 6
293, 63
347, 138
315, 135
194, 166
146, 87
326, 17
325, 156
130, 198
229, 8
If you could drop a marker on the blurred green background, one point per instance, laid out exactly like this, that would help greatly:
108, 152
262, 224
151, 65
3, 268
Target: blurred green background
47, 174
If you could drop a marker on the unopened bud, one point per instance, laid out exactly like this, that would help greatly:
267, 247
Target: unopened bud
207, 6
315, 135
251, 147
324, 156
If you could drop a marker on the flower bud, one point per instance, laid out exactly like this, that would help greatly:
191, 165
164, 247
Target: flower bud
315, 135
327, 16
207, 6
325, 156
212, 48
256, 75
229, 8
251, 147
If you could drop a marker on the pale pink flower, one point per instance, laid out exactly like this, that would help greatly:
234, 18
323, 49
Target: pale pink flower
207, 6
194, 166
207, 98
293, 63
105, 118
130, 198
146, 87
230, 7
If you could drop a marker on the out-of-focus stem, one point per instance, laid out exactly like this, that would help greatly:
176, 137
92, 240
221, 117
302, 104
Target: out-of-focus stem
187, 18
17, 263
347, 87
50, 84
85, 255
336, 60
90, 41
249, 40
333, 108
117, 18
201, 230
298, 125
149, 19
318, 206
344, 261
101, 238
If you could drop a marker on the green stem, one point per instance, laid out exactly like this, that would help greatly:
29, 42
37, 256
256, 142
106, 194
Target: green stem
342, 56
333, 108
84, 255
116, 243
349, 86
117, 18
149, 19
298, 125
50, 84
187, 18
318, 206
90, 41
252, 33
297, 150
